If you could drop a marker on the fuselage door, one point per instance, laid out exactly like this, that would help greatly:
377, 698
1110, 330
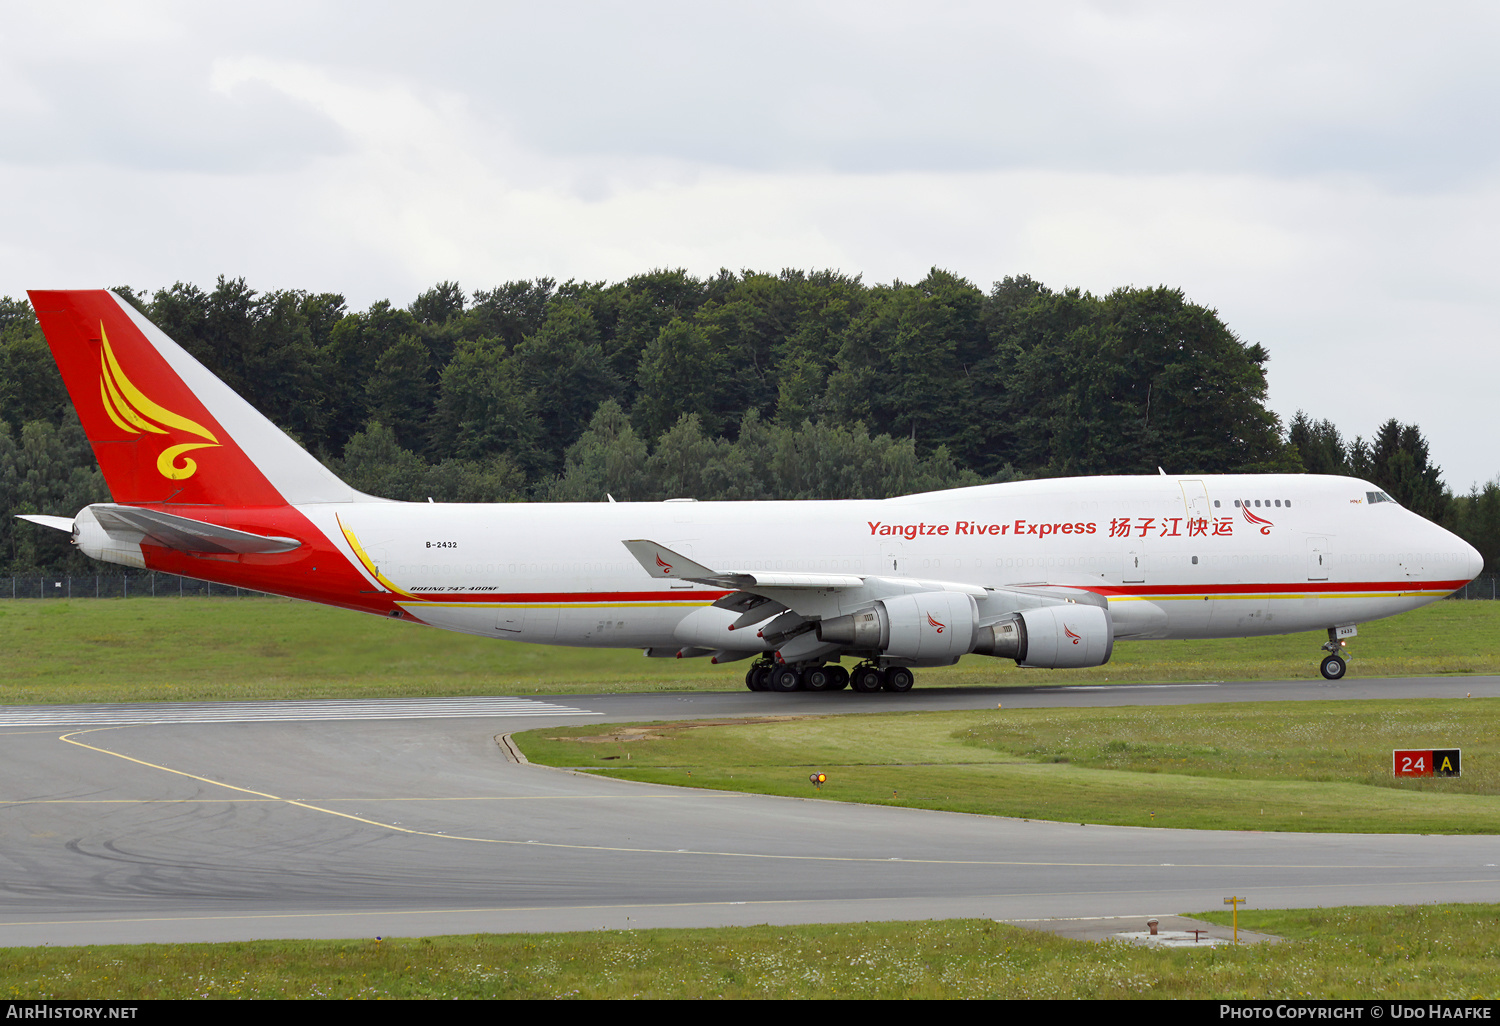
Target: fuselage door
1195, 499
891, 552
379, 559
1135, 566
1319, 559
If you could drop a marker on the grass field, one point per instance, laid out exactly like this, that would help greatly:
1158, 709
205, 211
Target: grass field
1298, 766
1422, 952
1303, 766
142, 650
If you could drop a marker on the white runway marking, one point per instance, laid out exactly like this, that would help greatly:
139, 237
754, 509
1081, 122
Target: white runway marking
1128, 687
279, 712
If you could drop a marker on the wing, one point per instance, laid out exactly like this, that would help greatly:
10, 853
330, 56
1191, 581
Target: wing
811, 616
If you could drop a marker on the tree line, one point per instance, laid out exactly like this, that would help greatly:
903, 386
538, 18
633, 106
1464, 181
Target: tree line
736, 386
1396, 458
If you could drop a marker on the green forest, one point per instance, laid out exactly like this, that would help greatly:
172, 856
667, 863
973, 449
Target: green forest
796, 385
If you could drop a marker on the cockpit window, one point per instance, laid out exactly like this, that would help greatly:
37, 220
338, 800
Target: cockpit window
1374, 497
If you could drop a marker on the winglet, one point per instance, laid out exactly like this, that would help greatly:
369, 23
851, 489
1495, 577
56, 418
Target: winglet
662, 562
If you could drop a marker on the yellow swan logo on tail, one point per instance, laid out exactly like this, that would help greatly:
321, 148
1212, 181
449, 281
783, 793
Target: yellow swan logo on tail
131, 411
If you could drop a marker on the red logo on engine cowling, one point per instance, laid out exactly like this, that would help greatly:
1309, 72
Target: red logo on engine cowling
1069, 632
940, 626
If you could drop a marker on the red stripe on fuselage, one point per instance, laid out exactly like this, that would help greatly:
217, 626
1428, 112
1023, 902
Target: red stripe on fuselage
558, 597
1314, 587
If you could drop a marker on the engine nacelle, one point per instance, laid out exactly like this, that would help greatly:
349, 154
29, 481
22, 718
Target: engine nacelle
936, 627
1063, 637
932, 627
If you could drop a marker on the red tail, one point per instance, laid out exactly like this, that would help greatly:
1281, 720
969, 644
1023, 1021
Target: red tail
163, 428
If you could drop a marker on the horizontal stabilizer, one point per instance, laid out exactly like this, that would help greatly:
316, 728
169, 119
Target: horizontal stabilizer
59, 523
133, 524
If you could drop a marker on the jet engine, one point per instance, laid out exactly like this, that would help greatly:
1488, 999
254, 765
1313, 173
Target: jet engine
1061, 637
932, 627
936, 627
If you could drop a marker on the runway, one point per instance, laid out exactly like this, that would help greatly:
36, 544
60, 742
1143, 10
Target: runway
354, 819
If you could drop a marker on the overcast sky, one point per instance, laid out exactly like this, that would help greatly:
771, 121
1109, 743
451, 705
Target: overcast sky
1325, 176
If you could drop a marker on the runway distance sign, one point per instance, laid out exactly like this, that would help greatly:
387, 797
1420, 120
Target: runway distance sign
1436, 762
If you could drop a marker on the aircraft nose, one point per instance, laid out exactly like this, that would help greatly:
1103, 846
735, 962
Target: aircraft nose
1473, 561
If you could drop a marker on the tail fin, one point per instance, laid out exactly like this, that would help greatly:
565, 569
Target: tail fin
163, 428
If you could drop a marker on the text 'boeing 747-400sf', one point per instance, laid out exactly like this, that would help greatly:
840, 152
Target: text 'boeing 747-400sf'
1049, 573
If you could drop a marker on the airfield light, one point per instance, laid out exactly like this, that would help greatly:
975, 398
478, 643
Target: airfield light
817, 779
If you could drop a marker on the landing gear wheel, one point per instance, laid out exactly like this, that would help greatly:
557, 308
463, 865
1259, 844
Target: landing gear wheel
788, 678
758, 678
840, 678
817, 678
1333, 667
866, 679
898, 678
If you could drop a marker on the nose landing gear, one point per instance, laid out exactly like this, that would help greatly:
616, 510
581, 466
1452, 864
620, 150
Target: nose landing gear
1336, 662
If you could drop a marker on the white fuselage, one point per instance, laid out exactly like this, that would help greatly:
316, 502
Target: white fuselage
1176, 557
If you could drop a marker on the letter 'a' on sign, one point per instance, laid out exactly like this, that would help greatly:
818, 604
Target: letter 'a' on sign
1436, 762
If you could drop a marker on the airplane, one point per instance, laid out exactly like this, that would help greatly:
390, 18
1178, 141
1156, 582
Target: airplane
1048, 573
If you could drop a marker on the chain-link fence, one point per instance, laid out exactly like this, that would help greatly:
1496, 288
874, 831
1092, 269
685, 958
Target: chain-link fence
1485, 586
143, 585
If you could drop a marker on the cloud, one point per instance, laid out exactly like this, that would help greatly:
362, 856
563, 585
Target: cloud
123, 95
1324, 176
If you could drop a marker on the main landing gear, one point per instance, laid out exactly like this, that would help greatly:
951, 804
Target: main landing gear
866, 678
1336, 662
758, 677
769, 676
825, 678
870, 678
